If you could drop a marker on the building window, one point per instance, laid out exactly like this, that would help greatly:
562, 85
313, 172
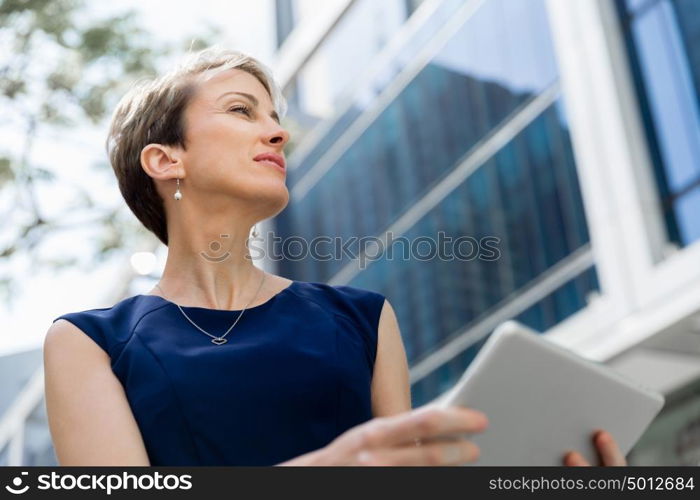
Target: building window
663, 41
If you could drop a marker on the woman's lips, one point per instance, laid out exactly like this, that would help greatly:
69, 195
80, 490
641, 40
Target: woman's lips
273, 157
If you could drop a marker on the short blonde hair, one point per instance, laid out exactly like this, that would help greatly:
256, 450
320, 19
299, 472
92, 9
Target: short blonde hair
152, 111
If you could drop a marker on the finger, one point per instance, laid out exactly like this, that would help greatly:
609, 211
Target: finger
424, 423
575, 459
437, 439
433, 453
608, 450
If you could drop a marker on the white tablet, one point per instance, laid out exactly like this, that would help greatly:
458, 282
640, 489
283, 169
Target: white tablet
542, 400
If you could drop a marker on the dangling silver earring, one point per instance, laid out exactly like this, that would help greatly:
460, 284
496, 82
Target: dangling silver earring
255, 231
178, 194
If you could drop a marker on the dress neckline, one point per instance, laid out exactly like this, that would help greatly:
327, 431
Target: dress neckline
207, 309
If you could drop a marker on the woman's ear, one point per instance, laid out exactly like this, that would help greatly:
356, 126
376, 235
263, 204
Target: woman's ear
161, 162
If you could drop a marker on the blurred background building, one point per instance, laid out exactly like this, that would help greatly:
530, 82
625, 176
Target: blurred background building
569, 131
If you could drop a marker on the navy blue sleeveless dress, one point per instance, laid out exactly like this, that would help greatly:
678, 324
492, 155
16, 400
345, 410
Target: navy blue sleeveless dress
294, 374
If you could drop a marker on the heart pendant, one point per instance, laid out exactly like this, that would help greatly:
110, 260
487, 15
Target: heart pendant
219, 340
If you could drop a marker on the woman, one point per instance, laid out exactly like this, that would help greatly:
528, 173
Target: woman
222, 363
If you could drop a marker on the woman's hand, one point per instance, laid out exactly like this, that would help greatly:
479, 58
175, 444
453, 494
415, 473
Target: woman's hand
428, 435
608, 451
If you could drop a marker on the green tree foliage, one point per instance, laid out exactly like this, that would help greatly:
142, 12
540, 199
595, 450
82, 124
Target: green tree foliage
61, 66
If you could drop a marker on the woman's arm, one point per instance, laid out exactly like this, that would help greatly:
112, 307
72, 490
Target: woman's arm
90, 419
391, 391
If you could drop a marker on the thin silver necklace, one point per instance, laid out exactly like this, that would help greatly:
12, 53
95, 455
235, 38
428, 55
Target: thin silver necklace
214, 339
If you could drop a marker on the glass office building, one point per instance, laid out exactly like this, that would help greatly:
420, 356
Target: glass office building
472, 120
482, 107
663, 40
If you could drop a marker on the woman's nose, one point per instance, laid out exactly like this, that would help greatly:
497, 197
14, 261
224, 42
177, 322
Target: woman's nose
278, 136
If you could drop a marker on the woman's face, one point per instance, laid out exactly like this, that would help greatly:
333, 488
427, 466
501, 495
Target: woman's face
224, 131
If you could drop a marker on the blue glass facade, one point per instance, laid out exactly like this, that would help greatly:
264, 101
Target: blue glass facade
663, 40
546, 313
527, 196
483, 80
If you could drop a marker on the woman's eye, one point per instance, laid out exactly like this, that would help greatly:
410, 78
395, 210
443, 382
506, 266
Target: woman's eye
245, 109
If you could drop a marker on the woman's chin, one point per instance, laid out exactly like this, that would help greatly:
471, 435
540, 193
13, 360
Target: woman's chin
273, 200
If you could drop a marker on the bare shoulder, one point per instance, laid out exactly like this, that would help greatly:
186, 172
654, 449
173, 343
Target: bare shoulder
89, 416
387, 318
277, 282
65, 339
390, 381
62, 334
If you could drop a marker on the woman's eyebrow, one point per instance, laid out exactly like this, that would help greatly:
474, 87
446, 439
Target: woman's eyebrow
251, 98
